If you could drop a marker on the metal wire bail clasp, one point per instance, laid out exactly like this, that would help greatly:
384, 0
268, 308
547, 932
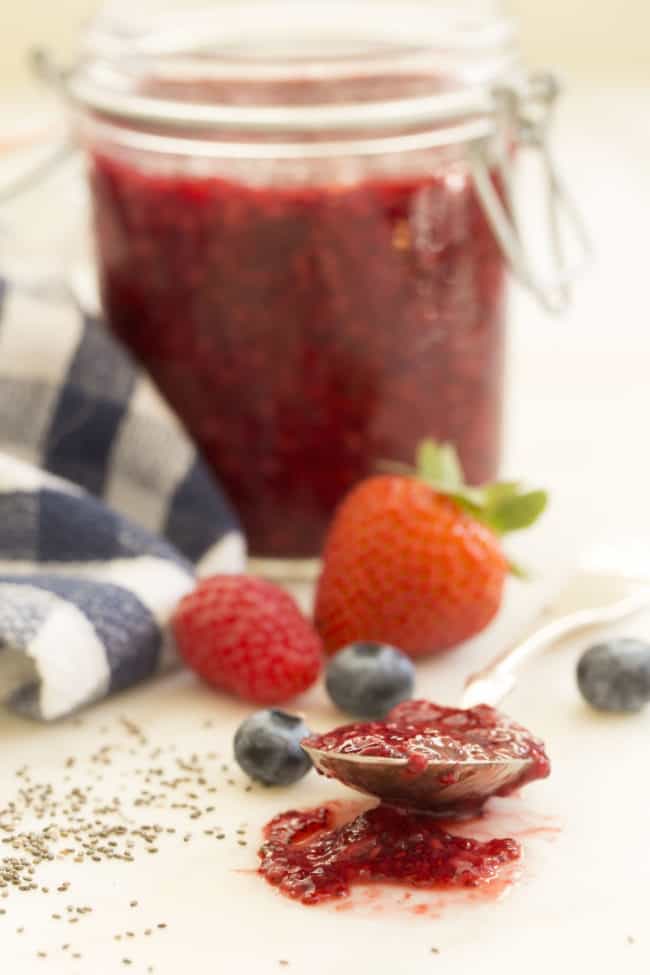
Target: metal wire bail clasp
524, 116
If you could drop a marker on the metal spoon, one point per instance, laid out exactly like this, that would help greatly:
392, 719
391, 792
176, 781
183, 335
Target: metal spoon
444, 788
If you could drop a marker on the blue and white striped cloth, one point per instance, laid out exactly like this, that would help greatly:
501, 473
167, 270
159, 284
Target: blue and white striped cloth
106, 512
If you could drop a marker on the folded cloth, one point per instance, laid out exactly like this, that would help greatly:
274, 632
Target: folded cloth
106, 512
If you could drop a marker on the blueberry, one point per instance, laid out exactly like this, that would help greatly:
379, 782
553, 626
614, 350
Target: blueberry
615, 676
368, 679
267, 747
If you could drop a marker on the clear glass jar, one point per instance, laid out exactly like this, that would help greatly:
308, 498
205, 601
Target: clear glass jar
301, 212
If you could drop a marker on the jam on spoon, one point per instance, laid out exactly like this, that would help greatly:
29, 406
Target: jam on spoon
444, 760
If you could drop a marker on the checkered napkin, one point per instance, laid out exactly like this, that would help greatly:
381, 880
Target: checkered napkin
106, 512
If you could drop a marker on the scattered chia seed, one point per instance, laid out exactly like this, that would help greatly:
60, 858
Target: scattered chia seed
69, 821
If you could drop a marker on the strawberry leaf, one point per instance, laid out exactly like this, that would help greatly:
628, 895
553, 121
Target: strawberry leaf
499, 491
451, 471
439, 464
471, 499
516, 511
518, 571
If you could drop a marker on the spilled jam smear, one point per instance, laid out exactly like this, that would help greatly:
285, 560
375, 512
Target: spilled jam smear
311, 859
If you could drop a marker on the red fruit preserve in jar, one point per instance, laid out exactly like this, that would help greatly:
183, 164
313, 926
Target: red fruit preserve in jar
303, 333
292, 240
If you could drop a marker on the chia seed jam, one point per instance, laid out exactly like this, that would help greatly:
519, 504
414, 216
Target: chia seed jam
437, 750
310, 858
421, 732
304, 333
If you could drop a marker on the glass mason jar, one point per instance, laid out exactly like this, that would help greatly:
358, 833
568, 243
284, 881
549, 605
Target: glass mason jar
303, 228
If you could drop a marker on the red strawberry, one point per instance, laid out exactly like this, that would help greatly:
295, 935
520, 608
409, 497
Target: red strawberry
247, 636
417, 563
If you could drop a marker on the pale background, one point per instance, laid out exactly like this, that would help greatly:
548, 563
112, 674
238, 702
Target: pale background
603, 40
578, 399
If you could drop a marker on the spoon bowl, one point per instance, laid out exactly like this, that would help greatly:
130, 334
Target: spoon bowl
444, 789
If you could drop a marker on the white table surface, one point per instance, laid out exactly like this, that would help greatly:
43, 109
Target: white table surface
577, 423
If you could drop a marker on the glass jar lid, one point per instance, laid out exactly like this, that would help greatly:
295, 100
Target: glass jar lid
284, 79
289, 67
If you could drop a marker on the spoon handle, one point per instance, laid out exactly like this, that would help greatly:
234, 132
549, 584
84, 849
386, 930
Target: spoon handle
496, 680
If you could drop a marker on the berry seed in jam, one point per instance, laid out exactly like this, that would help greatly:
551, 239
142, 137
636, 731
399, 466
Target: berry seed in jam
304, 330
311, 859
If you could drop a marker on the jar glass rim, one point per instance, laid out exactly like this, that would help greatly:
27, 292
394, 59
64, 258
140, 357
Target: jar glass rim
437, 64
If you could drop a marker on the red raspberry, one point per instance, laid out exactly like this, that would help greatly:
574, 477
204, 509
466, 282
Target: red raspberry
247, 636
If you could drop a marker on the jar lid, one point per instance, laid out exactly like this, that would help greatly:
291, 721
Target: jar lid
294, 67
